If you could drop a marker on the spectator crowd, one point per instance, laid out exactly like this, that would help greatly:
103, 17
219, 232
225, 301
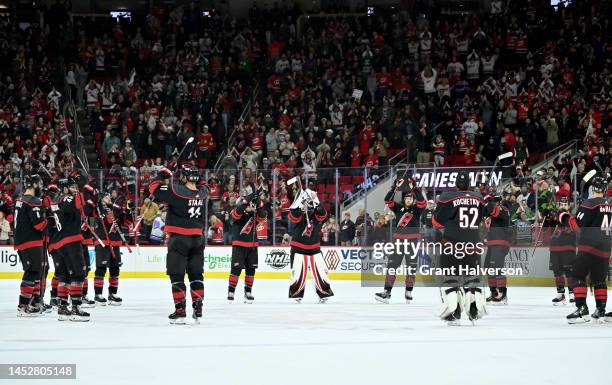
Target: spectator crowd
335, 99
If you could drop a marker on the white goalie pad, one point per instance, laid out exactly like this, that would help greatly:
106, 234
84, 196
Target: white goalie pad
478, 298
450, 301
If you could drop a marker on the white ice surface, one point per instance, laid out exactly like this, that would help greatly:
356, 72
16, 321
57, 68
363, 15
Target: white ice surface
350, 340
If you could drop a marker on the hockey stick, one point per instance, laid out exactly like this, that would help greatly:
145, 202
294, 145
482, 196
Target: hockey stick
506, 155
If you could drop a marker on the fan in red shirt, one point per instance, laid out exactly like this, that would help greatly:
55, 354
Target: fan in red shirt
371, 161
365, 139
257, 141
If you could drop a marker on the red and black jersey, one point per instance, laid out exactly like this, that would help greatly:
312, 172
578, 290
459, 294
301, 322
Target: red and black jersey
185, 207
562, 240
244, 225
306, 239
594, 218
29, 222
499, 229
407, 218
460, 214
89, 210
112, 216
68, 212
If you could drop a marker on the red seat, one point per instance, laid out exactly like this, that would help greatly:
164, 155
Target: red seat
345, 180
330, 188
327, 206
321, 188
358, 179
346, 187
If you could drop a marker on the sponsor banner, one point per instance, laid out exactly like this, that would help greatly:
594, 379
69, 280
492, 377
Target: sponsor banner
445, 178
342, 262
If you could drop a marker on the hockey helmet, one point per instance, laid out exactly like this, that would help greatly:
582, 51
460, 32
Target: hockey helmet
599, 185
29, 180
190, 172
462, 181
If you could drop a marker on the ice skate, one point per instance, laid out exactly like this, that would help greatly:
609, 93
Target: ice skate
113, 300
493, 296
63, 314
383, 296
323, 300
599, 315
100, 301
37, 307
178, 317
502, 299
54, 303
26, 311
579, 316
230, 296
47, 308
248, 297
77, 315
197, 311
408, 296
608, 317
571, 298
454, 319
88, 303
559, 299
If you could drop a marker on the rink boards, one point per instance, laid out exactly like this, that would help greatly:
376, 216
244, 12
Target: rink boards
348, 263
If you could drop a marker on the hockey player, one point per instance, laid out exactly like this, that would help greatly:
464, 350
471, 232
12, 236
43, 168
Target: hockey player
29, 224
562, 254
68, 248
185, 222
88, 238
308, 217
498, 246
408, 217
460, 213
594, 219
51, 197
246, 216
108, 256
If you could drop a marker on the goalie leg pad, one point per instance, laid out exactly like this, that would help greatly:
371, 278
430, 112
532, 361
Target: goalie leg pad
475, 296
452, 297
299, 271
319, 274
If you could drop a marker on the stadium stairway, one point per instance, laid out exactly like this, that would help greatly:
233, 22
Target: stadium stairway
89, 143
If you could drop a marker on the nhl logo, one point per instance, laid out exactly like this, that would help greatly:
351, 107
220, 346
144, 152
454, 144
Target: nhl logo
277, 259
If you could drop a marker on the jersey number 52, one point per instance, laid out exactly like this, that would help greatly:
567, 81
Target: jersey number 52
468, 217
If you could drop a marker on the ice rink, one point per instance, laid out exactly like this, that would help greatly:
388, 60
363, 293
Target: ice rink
350, 340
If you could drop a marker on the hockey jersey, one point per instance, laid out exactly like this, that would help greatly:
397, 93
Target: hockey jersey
29, 222
306, 239
408, 219
244, 225
562, 240
594, 219
460, 214
68, 212
499, 229
185, 207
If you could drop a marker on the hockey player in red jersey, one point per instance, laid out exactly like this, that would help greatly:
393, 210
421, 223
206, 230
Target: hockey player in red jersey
29, 224
308, 217
407, 226
459, 214
562, 254
246, 216
109, 218
66, 243
185, 222
498, 246
594, 219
